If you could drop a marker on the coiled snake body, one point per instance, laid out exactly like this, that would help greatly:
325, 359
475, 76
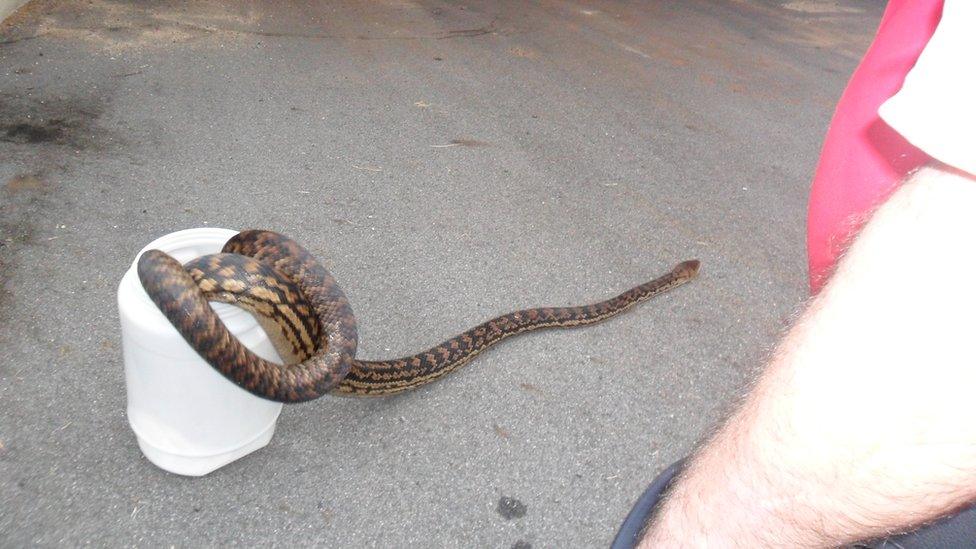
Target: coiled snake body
310, 321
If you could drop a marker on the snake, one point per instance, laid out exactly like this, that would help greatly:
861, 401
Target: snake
310, 321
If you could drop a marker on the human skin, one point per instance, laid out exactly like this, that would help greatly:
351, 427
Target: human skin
863, 423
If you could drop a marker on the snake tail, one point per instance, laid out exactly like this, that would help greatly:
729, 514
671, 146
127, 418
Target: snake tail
387, 377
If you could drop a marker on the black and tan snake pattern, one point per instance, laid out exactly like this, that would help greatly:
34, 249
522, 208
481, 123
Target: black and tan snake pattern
312, 324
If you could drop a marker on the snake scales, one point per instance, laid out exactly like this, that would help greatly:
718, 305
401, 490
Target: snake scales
311, 322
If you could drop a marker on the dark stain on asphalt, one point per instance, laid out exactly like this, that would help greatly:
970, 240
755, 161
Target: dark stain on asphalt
34, 132
52, 121
511, 508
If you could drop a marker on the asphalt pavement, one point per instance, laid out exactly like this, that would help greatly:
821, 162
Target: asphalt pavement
450, 161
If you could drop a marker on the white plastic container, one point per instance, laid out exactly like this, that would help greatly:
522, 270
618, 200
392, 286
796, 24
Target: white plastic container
188, 418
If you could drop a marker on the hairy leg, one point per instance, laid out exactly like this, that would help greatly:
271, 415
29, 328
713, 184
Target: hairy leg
817, 455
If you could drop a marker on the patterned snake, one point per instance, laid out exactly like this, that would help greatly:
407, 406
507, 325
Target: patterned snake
311, 324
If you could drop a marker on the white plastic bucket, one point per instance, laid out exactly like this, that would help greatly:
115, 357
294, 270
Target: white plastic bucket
187, 417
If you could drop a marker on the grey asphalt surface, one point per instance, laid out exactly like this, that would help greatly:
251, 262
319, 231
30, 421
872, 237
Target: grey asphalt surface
592, 145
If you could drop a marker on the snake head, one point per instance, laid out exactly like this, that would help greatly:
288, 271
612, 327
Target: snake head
687, 269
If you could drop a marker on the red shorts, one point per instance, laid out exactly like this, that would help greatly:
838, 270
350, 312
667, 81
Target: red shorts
863, 160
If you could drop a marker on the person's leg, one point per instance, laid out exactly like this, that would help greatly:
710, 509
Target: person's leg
957, 531
861, 163
817, 454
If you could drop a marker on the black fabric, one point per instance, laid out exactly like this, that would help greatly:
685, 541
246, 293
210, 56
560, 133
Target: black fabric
627, 535
957, 531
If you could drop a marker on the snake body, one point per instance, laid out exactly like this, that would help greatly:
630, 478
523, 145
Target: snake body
310, 321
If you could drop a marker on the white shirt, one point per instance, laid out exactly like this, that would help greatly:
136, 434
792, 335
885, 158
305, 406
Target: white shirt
935, 110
